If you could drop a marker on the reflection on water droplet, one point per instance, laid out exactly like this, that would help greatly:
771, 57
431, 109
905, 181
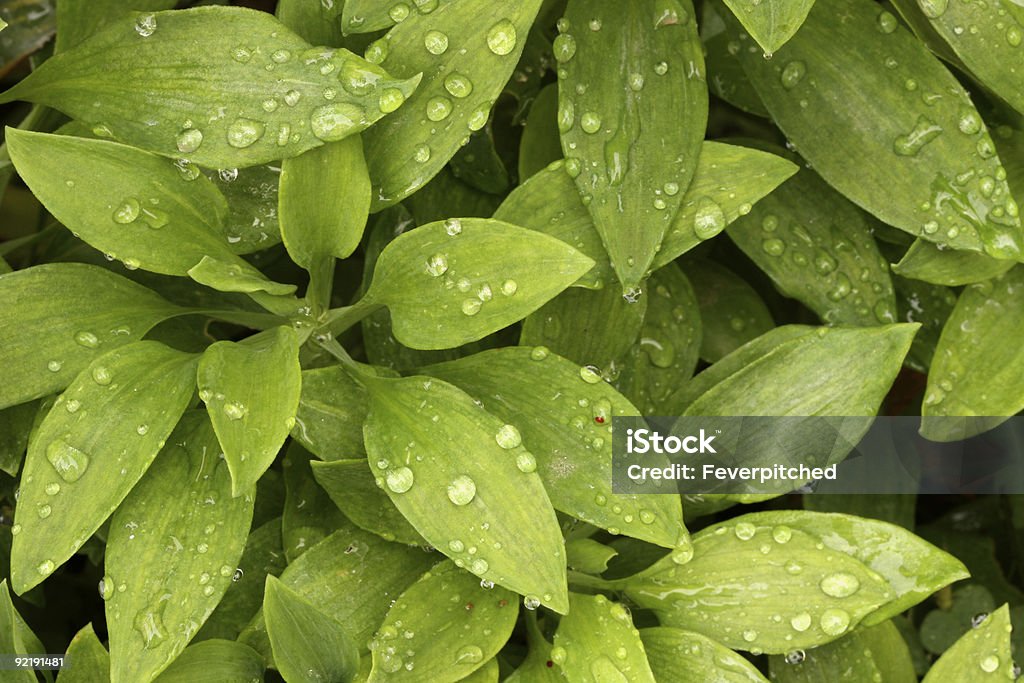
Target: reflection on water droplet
335, 121
501, 38
462, 490
709, 219
69, 462
834, 622
436, 42
400, 480
127, 212
840, 585
189, 140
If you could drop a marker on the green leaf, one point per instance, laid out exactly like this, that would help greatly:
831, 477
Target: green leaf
172, 550
732, 313
56, 318
319, 23
729, 176
537, 667
795, 370
590, 327
214, 661
251, 390
586, 637
589, 556
331, 412
324, 202
91, 661
353, 576
726, 78
479, 165
79, 19
565, 414
367, 16
919, 158
230, 277
878, 653
351, 486
818, 248
252, 196
687, 657
913, 567
248, 93
974, 371
929, 305
990, 50
13, 636
488, 673
308, 517
15, 425
771, 23
540, 144
128, 203
758, 586
92, 447
466, 484
456, 281
930, 263
633, 107
447, 624
981, 651
309, 644
669, 346
466, 52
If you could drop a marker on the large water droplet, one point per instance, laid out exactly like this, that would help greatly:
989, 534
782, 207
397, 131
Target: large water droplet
438, 108
437, 265
564, 47
840, 585
189, 140
400, 479
458, 85
834, 622
924, 131
436, 42
69, 462
127, 212
709, 219
590, 122
501, 38
390, 100
335, 121
462, 490
508, 437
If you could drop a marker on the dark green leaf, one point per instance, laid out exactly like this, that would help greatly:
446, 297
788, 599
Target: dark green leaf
726, 77
930, 305
632, 114
319, 23
309, 517
15, 636
565, 413
325, 200
446, 625
252, 196
214, 661
91, 659
587, 555
540, 144
974, 370
466, 484
679, 656
732, 313
586, 637
332, 409
309, 645
251, 390
818, 248
931, 263
456, 281
351, 486
981, 654
248, 93
771, 23
56, 318
15, 424
30, 23
79, 19
479, 165
869, 654
94, 445
914, 151
466, 52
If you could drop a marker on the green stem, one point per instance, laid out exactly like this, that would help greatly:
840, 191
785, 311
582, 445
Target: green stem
257, 321
331, 346
596, 582
338, 320
321, 284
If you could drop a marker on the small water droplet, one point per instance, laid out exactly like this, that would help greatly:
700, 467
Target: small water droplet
564, 47
189, 140
834, 622
127, 212
437, 265
458, 85
438, 108
145, 25
792, 74
436, 42
400, 480
471, 306
933, 9
709, 219
887, 23
840, 585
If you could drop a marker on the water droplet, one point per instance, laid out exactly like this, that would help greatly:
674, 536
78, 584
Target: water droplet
438, 108
933, 9
539, 353
1014, 36
501, 38
834, 622
54, 365
46, 567
462, 490
106, 587
509, 287
840, 585
661, 68
709, 219
390, 100
525, 462
145, 25
422, 154
989, 664
925, 130
590, 122
335, 121
189, 140
478, 566
801, 622
978, 619
887, 23
400, 480
773, 246
237, 575
101, 375
796, 657
44, 511
436, 42
564, 47
968, 122
590, 374
453, 227
744, 531
127, 212
792, 74
478, 119
52, 489
531, 603
149, 624
508, 437
458, 85
782, 534
437, 265
228, 175
86, 339
471, 306
399, 12
241, 54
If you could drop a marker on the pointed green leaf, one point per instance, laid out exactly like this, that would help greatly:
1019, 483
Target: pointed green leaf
456, 281
633, 107
929, 305
590, 327
334, 574
447, 625
351, 486
332, 409
56, 318
15, 425
919, 157
726, 77
91, 661
540, 144
79, 19
466, 51
248, 93
974, 372
128, 203
796, 370
991, 50
479, 165
251, 390
173, 548
309, 516
214, 661
981, 654
773, 22
252, 197
309, 645
731, 311
13, 633
913, 568
228, 276
589, 556
564, 413
666, 354
757, 586
94, 445
466, 484
537, 667
324, 201
318, 23
818, 248
728, 177
931, 263
678, 656
878, 653
586, 637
